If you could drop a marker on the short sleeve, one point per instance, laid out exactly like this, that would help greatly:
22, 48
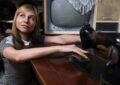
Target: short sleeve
3, 45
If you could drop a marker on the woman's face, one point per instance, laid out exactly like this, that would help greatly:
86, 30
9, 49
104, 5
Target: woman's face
25, 22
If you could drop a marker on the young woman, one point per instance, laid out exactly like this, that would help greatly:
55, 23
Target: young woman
25, 44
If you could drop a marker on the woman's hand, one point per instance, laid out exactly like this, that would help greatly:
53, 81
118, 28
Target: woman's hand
73, 49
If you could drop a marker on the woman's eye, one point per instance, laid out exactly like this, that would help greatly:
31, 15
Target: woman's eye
22, 15
33, 19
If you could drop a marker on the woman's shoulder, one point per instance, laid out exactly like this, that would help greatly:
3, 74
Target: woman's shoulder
7, 40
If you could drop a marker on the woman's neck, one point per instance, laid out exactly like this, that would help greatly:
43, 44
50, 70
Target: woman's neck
24, 37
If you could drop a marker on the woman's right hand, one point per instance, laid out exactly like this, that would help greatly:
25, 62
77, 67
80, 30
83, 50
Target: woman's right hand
73, 49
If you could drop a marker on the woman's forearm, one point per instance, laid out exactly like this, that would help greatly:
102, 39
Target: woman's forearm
28, 54
62, 39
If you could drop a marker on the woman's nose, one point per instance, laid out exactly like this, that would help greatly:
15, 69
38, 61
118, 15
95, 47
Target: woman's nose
26, 19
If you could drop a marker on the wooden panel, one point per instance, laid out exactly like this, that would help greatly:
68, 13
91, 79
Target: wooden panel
107, 16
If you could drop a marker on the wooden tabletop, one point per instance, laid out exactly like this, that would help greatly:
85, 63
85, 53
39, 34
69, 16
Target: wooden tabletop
59, 71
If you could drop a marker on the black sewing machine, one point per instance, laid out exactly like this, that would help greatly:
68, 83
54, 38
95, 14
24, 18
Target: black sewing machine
104, 53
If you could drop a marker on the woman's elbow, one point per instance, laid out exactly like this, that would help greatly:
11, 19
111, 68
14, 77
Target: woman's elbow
19, 59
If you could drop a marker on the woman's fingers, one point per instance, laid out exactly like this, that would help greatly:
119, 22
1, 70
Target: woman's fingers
79, 51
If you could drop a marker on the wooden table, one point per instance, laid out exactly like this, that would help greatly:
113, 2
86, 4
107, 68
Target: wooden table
59, 71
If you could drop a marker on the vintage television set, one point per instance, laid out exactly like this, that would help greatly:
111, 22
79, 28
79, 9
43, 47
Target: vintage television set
63, 16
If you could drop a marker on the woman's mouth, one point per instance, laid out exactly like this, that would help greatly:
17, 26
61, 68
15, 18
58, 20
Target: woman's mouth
25, 26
